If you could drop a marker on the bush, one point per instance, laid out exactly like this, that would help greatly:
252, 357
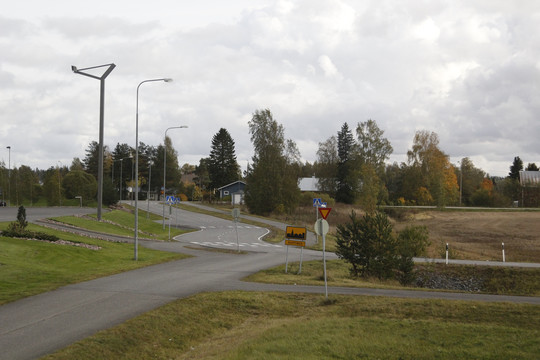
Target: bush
371, 248
27, 234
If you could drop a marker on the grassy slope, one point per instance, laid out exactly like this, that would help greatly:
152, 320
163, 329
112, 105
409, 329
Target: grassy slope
240, 325
121, 222
30, 267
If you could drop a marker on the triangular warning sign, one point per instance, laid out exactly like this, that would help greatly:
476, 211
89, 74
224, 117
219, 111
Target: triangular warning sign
324, 212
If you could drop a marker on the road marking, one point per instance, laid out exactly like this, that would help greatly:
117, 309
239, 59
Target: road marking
230, 244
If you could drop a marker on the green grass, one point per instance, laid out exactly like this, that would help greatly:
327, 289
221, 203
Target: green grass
119, 222
246, 325
31, 267
496, 280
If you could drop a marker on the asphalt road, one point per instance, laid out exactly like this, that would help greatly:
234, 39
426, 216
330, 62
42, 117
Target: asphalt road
41, 324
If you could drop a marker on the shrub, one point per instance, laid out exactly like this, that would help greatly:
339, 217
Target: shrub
371, 248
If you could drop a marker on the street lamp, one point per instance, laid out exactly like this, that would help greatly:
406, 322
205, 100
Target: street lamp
9, 175
150, 163
165, 168
110, 67
137, 162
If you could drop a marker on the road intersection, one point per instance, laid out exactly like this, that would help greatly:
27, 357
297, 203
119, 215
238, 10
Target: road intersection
38, 325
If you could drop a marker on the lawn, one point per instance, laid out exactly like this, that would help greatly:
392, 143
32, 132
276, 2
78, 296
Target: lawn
122, 222
251, 325
30, 267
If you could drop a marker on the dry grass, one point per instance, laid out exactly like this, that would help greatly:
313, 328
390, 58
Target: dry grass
474, 235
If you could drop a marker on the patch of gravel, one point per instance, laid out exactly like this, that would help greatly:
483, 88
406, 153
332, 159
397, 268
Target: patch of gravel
70, 243
442, 281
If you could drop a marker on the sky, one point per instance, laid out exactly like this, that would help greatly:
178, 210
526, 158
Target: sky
467, 70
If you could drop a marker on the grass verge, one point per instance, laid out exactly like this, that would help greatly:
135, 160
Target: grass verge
484, 279
246, 325
121, 222
31, 267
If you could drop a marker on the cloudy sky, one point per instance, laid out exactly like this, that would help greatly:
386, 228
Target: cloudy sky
467, 70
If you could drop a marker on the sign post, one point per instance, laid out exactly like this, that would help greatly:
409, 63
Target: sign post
296, 236
321, 228
236, 215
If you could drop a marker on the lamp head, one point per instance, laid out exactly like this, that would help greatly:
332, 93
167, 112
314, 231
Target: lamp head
74, 68
168, 80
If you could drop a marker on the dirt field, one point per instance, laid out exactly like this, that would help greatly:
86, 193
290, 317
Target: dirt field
479, 235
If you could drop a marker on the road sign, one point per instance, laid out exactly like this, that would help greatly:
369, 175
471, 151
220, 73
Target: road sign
295, 243
317, 202
324, 212
321, 227
170, 199
296, 233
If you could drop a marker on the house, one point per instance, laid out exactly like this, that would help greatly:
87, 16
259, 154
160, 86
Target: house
529, 178
309, 184
235, 190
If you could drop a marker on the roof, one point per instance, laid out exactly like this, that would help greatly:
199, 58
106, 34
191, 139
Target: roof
529, 178
308, 184
235, 182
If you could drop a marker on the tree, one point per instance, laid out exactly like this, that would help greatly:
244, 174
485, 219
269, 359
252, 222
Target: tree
271, 181
326, 165
223, 168
27, 183
346, 179
370, 247
80, 183
471, 179
91, 161
516, 167
432, 169
173, 172
76, 164
372, 147
372, 152
52, 187
532, 167
121, 168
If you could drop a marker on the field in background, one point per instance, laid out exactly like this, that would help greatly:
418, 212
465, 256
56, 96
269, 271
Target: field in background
471, 234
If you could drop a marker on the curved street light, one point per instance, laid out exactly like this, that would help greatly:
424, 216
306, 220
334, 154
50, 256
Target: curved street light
165, 168
137, 164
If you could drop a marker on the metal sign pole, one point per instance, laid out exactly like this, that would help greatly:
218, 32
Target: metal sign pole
287, 259
324, 258
237, 240
170, 212
301, 258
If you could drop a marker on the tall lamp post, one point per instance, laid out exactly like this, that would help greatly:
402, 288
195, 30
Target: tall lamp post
110, 67
9, 175
137, 163
150, 163
165, 168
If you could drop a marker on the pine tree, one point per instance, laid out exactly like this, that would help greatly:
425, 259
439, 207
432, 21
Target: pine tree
223, 168
345, 187
516, 167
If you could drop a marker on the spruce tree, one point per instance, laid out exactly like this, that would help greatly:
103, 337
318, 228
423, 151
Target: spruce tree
223, 168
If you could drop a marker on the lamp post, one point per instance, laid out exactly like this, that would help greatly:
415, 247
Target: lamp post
9, 175
59, 190
165, 168
150, 163
110, 67
137, 162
